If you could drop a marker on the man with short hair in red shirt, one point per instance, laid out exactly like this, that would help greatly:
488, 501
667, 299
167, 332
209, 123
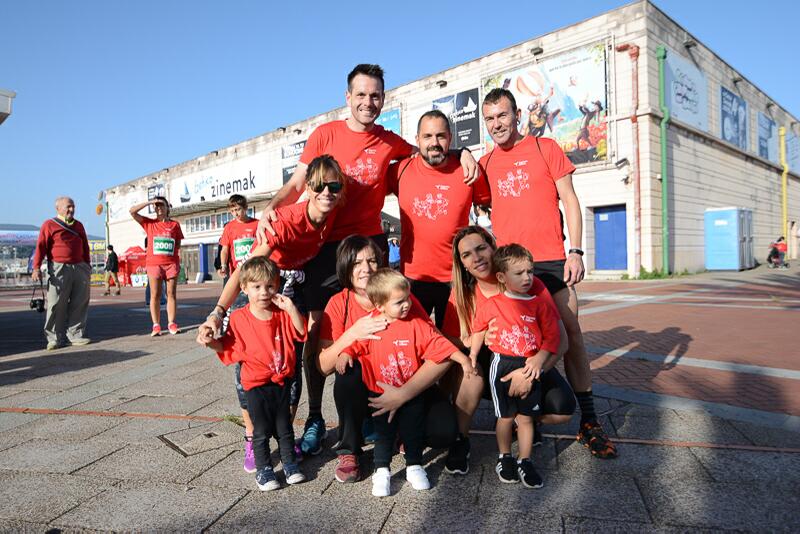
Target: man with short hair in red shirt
363, 150
528, 176
63, 242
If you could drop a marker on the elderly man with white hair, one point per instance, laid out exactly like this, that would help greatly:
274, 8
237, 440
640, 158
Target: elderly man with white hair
63, 242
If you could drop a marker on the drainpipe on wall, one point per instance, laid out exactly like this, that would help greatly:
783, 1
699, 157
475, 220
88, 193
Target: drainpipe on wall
661, 54
633, 53
784, 185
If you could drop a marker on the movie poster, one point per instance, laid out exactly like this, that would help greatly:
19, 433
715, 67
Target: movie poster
290, 155
563, 97
733, 118
767, 138
462, 110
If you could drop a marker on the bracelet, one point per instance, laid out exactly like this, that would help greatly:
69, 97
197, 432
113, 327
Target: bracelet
221, 307
462, 150
577, 251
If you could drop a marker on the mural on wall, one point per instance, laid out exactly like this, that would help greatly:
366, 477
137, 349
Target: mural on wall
767, 138
733, 118
563, 97
290, 155
687, 91
462, 110
390, 120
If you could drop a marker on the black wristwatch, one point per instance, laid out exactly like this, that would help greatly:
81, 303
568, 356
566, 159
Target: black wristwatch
577, 251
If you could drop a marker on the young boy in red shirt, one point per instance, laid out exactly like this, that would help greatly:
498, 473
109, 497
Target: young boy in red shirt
527, 336
393, 359
261, 337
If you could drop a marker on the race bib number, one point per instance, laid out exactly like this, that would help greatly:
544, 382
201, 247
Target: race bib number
163, 246
241, 249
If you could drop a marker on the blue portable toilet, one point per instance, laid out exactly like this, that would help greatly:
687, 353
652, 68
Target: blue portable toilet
729, 239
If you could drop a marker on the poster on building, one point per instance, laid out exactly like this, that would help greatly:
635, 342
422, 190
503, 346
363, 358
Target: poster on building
733, 118
121, 200
290, 155
687, 91
154, 191
390, 120
245, 176
793, 153
563, 97
462, 110
767, 138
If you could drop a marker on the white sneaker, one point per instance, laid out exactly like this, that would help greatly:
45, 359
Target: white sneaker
381, 482
418, 478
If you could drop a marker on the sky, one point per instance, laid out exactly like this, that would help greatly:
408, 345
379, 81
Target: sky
110, 91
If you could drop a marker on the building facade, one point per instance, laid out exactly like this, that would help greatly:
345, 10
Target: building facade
595, 87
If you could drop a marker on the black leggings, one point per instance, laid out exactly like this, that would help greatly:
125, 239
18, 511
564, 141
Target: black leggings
557, 395
351, 397
408, 423
268, 406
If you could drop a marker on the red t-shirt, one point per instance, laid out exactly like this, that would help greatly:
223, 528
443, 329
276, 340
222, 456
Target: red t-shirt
297, 240
451, 327
434, 205
524, 325
364, 157
265, 348
163, 241
781, 247
239, 237
343, 310
396, 356
525, 198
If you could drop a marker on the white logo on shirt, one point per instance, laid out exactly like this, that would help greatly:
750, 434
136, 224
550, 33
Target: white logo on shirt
370, 151
520, 163
518, 341
527, 318
400, 342
363, 172
514, 184
398, 370
430, 207
442, 187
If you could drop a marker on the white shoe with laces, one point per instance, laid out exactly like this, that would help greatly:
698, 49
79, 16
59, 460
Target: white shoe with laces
417, 477
381, 482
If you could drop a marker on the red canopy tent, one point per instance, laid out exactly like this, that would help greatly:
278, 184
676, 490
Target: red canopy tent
132, 261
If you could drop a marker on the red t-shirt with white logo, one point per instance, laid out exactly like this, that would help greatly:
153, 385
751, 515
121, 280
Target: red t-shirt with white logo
342, 310
395, 357
524, 195
264, 348
364, 157
451, 326
239, 237
163, 241
296, 239
525, 325
434, 205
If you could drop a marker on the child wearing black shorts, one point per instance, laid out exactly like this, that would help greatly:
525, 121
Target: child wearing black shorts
527, 334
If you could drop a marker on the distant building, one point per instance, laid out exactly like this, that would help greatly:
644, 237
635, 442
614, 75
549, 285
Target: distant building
576, 85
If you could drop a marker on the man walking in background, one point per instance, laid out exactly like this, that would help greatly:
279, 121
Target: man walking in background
112, 268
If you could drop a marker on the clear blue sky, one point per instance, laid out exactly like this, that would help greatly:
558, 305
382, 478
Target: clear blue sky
109, 91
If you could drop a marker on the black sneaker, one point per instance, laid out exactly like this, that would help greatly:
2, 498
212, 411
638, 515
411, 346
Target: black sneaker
506, 469
537, 435
530, 478
457, 462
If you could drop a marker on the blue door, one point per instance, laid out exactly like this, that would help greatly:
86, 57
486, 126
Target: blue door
611, 238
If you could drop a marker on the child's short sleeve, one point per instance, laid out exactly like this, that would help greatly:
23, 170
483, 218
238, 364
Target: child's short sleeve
232, 346
548, 322
431, 344
356, 349
482, 317
289, 331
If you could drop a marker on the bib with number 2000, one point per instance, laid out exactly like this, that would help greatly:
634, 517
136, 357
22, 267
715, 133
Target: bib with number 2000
163, 246
241, 249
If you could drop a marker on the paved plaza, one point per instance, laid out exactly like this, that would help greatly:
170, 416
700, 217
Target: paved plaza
696, 378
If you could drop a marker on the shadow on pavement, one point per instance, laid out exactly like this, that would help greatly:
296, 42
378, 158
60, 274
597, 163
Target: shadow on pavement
17, 371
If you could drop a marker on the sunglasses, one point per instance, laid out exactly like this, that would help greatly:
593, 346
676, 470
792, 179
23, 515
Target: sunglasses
333, 187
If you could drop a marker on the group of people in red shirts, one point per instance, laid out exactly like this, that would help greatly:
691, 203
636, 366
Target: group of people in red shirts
398, 343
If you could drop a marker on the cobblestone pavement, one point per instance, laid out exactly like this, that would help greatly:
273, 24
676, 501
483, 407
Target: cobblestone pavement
696, 378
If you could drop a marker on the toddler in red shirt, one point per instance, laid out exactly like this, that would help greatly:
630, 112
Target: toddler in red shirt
393, 359
261, 337
527, 334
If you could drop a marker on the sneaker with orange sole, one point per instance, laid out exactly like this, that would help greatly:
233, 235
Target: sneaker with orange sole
156, 330
173, 328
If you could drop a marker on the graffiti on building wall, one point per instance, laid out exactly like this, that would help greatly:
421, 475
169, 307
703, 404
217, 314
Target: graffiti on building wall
563, 97
686, 91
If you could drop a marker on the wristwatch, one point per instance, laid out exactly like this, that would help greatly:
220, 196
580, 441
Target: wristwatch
577, 251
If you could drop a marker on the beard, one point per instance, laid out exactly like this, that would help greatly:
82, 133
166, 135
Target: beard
434, 157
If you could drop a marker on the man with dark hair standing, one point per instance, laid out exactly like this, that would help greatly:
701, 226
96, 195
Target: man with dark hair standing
528, 176
363, 151
111, 269
63, 243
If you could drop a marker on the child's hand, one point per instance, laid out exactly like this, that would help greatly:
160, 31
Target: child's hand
282, 302
469, 370
533, 368
343, 362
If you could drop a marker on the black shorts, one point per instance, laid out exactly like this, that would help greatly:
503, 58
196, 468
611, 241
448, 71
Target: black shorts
433, 296
321, 281
551, 273
505, 405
